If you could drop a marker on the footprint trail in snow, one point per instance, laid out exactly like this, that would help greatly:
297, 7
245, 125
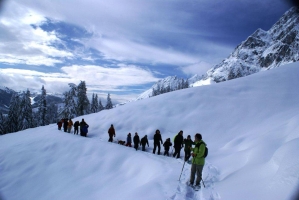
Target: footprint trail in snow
185, 192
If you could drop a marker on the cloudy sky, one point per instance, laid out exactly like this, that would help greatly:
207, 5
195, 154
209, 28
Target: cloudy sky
121, 47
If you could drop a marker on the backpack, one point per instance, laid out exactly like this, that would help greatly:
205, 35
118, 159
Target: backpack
206, 149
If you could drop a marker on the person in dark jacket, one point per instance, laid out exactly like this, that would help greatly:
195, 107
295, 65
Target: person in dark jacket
178, 144
157, 140
188, 144
76, 127
167, 144
65, 124
136, 141
129, 140
111, 133
83, 128
143, 142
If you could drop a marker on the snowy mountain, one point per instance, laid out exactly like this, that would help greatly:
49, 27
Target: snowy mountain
261, 51
169, 83
6, 94
250, 126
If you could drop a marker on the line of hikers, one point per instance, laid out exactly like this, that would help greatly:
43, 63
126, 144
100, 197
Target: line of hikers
198, 153
67, 125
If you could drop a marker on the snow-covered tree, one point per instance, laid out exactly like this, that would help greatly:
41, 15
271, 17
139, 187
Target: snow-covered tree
2, 124
83, 105
13, 123
42, 108
94, 103
109, 104
70, 103
186, 85
101, 107
26, 117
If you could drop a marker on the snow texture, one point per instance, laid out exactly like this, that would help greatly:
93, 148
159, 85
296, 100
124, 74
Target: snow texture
249, 124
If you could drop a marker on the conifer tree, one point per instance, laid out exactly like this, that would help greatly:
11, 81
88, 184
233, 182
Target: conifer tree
13, 123
70, 103
109, 104
94, 103
26, 117
2, 124
186, 84
101, 107
42, 108
83, 105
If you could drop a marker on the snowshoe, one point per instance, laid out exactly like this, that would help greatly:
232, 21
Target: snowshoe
197, 187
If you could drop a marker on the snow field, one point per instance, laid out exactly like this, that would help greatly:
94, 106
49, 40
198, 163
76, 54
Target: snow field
249, 124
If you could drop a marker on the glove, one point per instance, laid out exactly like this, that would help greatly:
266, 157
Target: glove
193, 154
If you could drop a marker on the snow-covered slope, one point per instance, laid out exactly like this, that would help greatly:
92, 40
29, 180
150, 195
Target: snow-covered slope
261, 51
170, 83
250, 125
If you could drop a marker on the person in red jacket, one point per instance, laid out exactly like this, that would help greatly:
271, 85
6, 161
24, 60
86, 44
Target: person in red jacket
59, 124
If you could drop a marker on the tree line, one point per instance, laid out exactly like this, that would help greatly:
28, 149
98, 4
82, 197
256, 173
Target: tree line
182, 84
21, 116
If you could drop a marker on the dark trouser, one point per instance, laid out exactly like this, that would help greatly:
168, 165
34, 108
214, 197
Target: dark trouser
177, 151
110, 138
166, 152
143, 147
76, 130
187, 154
82, 133
198, 170
59, 127
136, 145
159, 147
65, 128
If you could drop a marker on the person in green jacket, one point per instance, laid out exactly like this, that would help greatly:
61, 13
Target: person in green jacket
198, 160
188, 144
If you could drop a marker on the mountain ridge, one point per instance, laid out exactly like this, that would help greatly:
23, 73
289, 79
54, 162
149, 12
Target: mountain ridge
262, 50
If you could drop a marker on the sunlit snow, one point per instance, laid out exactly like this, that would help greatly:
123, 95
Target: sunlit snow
250, 125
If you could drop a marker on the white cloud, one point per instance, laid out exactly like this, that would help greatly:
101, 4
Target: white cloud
125, 50
23, 44
122, 31
99, 78
119, 76
198, 68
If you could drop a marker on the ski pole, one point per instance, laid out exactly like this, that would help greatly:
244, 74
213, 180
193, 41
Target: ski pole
203, 183
182, 171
